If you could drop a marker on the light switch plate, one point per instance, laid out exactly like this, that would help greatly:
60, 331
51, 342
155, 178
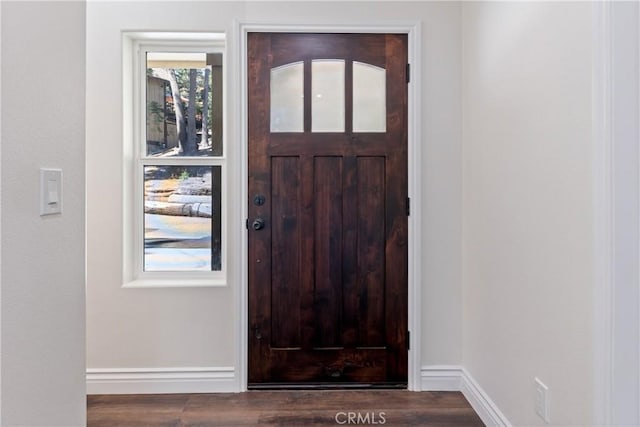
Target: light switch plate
50, 191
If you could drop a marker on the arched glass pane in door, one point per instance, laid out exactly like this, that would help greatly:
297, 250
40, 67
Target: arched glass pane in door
327, 90
287, 98
369, 98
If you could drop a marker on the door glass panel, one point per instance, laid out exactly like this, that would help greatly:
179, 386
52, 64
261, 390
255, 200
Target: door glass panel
327, 89
369, 98
287, 98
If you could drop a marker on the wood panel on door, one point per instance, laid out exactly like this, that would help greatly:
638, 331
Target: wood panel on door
328, 263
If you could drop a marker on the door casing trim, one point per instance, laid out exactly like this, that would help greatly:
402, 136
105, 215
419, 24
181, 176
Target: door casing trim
414, 34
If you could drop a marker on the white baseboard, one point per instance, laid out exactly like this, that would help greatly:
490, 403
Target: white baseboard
223, 380
456, 378
486, 409
441, 378
161, 380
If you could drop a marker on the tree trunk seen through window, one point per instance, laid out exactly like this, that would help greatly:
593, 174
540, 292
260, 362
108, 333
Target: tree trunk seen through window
190, 148
204, 140
185, 123
181, 122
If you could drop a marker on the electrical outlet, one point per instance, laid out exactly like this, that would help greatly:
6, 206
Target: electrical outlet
541, 403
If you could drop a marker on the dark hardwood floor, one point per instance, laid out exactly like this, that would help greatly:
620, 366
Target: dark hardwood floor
284, 408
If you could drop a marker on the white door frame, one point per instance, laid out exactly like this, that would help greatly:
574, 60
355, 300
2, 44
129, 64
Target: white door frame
413, 30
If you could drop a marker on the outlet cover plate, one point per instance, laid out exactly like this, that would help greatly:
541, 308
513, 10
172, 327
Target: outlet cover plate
541, 403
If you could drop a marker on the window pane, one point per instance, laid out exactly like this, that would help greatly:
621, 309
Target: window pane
184, 104
287, 98
369, 98
327, 88
182, 218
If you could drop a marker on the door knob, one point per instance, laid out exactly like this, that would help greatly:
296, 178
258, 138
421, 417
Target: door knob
258, 224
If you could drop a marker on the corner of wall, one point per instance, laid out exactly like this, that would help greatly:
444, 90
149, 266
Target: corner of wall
457, 378
480, 401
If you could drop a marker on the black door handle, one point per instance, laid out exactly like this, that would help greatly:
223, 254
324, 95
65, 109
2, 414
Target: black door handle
258, 224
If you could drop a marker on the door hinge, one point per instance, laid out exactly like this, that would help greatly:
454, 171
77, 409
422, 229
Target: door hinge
408, 206
408, 340
408, 73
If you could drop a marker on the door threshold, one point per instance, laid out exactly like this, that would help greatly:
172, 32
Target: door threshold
328, 386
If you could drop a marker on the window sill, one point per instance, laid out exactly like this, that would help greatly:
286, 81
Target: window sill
175, 283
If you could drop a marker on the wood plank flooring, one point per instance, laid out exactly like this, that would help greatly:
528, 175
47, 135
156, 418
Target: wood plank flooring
283, 408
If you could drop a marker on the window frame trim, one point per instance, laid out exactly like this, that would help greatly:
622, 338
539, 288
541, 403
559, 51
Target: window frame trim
135, 47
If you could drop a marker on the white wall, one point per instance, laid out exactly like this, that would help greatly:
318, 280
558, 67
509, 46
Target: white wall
0, 210
147, 328
43, 319
527, 222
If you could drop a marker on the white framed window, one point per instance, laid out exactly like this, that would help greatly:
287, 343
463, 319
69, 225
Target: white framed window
174, 156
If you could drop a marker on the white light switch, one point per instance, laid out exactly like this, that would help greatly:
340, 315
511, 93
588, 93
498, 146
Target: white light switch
50, 191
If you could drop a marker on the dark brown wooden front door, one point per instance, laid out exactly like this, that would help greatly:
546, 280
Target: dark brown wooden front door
327, 210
